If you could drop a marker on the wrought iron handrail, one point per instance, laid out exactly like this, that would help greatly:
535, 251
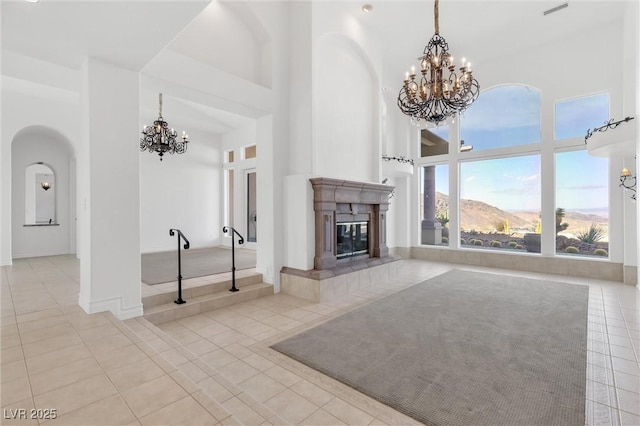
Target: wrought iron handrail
226, 229
186, 246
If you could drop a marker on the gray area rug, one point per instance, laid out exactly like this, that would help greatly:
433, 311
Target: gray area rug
162, 267
463, 348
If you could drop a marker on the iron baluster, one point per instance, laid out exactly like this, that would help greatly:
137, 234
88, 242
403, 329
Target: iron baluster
172, 232
226, 229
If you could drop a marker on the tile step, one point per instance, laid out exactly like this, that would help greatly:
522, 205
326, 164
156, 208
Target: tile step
182, 372
197, 304
197, 291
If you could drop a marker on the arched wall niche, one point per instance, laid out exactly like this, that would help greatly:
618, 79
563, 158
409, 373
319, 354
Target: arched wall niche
40, 195
235, 41
346, 133
42, 145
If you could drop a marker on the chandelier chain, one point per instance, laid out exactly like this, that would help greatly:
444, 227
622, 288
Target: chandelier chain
436, 16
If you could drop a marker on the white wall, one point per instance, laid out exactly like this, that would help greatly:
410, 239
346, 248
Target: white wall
33, 145
182, 191
241, 52
345, 105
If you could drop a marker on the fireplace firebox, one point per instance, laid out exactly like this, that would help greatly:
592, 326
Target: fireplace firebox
352, 239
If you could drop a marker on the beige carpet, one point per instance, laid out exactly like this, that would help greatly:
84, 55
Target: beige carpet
162, 267
463, 348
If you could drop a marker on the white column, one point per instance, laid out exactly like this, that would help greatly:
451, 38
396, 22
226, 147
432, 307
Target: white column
431, 228
109, 191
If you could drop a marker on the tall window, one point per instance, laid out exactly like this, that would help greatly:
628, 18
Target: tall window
500, 202
582, 204
501, 117
229, 197
434, 204
574, 117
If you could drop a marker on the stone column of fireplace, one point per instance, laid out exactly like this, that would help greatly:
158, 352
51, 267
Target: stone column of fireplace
328, 197
380, 228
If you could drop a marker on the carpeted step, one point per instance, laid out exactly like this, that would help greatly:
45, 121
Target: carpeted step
171, 311
189, 292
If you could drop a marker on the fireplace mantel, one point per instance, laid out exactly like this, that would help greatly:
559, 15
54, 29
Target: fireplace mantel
335, 199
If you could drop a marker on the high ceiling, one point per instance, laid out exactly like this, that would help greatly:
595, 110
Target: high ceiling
132, 33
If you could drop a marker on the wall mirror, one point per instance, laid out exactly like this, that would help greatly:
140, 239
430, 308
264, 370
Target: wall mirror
40, 195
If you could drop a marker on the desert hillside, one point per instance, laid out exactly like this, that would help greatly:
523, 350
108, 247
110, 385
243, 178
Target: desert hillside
482, 217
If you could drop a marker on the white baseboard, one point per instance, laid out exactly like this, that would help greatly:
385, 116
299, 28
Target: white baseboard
40, 253
6, 262
113, 304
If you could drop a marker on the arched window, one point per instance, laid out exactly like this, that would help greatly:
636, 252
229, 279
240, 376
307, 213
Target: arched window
501, 117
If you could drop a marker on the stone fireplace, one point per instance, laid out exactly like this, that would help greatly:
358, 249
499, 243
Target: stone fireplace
350, 240
344, 202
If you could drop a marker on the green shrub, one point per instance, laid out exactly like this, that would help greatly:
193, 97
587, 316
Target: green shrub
443, 217
478, 243
463, 241
445, 240
495, 243
601, 252
519, 247
513, 244
593, 235
571, 249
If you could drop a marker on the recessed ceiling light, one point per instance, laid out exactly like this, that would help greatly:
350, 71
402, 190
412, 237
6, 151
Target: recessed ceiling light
366, 8
32, 1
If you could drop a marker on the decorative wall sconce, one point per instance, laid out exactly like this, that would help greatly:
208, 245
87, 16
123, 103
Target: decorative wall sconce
45, 185
608, 125
398, 159
465, 148
628, 181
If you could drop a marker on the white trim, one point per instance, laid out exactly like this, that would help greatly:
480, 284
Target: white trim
113, 304
41, 253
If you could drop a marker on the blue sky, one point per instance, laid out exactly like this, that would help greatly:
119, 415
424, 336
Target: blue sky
510, 115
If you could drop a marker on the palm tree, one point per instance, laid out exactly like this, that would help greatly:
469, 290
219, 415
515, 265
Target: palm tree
560, 226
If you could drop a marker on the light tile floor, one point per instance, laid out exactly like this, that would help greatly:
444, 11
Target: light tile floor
217, 368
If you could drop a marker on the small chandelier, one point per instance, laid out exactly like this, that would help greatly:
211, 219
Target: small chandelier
436, 95
162, 139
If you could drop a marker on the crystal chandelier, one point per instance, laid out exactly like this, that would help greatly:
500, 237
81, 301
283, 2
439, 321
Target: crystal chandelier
440, 91
162, 139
